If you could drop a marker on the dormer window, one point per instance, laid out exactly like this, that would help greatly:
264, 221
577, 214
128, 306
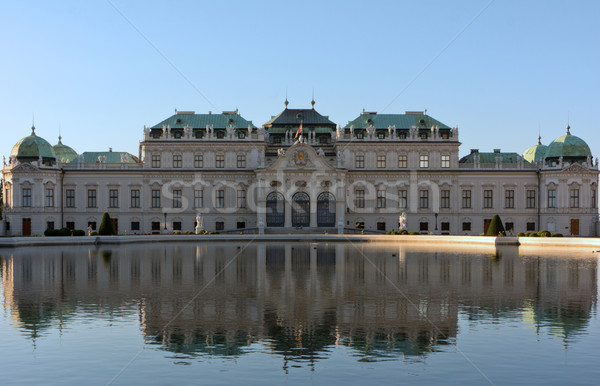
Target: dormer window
423, 135
241, 135
380, 135
156, 135
402, 136
177, 134
220, 134
359, 135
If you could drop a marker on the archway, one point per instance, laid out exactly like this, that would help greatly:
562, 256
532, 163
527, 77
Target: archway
326, 210
301, 210
275, 209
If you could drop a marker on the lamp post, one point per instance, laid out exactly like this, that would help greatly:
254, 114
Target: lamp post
165, 230
436, 228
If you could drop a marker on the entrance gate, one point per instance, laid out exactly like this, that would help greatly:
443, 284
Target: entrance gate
301, 210
275, 210
326, 210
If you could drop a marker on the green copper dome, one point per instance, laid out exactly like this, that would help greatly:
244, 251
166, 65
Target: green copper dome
536, 153
63, 152
568, 146
32, 147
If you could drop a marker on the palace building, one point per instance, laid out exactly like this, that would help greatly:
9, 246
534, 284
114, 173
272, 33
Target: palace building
301, 172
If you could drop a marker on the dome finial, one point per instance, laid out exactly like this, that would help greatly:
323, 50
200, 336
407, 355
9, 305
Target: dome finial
32, 124
286, 103
568, 130
312, 102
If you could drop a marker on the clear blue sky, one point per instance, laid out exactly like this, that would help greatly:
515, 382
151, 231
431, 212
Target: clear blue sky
520, 65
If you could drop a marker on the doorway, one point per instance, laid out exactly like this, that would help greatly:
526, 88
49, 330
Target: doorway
574, 227
26, 227
115, 223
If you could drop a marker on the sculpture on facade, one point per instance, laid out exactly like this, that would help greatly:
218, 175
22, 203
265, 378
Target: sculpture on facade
261, 226
321, 152
340, 226
230, 130
402, 221
199, 225
280, 151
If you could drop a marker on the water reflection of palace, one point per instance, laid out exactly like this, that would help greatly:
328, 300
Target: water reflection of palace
297, 298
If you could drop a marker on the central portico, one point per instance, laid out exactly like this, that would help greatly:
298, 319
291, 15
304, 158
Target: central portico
301, 189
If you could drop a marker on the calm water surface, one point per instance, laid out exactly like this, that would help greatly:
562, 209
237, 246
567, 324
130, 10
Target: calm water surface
298, 313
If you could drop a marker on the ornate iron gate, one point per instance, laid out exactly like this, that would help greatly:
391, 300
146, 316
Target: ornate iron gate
275, 210
301, 210
326, 210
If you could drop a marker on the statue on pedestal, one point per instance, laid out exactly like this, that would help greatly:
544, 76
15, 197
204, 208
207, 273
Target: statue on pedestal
402, 221
199, 225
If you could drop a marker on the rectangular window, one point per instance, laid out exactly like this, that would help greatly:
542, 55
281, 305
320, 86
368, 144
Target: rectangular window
509, 199
424, 161
177, 161
50, 225
530, 227
466, 199
135, 198
113, 198
530, 199
424, 199
219, 225
423, 226
135, 225
70, 225
360, 161
381, 160
445, 161
381, 135
551, 198
403, 199
241, 161
241, 198
594, 198
445, 199
156, 199
155, 160
360, 199
50, 198
92, 201
574, 198
26, 197
402, 161
220, 161
509, 226
241, 225
466, 226
198, 198
176, 225
92, 224
359, 225
155, 225
177, 198
381, 199
70, 198
220, 198
198, 161
445, 227
488, 199
381, 226
360, 135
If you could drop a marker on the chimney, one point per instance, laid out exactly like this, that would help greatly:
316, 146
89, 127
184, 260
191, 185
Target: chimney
496, 150
474, 151
110, 149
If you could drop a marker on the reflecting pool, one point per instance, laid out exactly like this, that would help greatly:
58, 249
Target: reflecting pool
320, 313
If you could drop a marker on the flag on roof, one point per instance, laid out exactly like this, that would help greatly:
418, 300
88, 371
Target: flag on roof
299, 131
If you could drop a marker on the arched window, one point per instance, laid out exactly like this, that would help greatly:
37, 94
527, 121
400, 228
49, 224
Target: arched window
275, 209
326, 210
301, 209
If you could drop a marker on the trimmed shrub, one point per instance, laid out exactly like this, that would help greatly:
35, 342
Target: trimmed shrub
78, 232
413, 233
389, 233
544, 233
520, 234
403, 232
534, 234
176, 233
556, 235
106, 227
93, 233
495, 226
213, 233
57, 232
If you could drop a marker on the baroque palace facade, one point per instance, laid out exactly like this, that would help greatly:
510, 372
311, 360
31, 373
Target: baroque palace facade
301, 170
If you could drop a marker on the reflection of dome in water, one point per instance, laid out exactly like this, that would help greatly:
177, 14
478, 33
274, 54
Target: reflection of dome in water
63, 152
32, 147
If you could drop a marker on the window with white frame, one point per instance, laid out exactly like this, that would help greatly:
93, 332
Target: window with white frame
198, 161
135, 198
381, 198
402, 161
509, 198
92, 198
574, 198
359, 161
177, 161
445, 161
49, 197
241, 198
177, 198
445, 199
381, 160
551, 198
488, 198
70, 198
241, 160
220, 198
220, 160
423, 199
155, 160
113, 198
360, 198
156, 198
424, 161
403, 198
26, 197
198, 198
466, 199
530, 199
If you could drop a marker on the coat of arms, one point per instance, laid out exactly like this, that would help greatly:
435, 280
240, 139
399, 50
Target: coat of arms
301, 158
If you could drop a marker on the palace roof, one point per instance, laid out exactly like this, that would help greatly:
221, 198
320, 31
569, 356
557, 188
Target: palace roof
408, 120
199, 121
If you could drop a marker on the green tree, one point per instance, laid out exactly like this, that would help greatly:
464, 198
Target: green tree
495, 227
106, 226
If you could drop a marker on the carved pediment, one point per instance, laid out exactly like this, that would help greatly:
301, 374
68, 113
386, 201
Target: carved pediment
575, 168
25, 167
300, 157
